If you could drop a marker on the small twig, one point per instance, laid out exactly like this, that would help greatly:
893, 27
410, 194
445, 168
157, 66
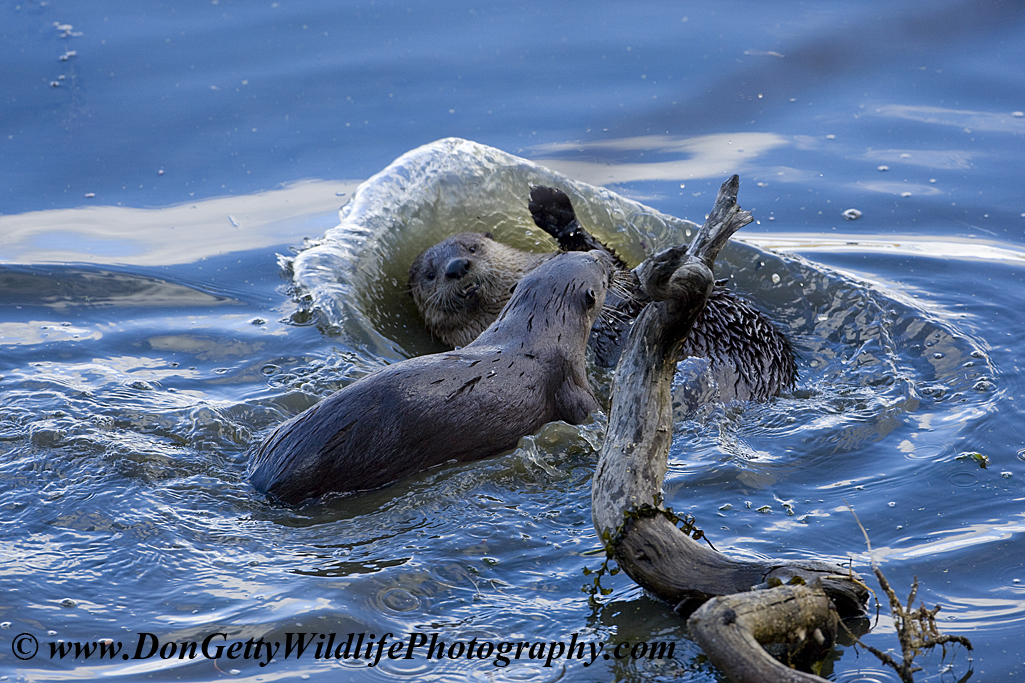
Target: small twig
916, 628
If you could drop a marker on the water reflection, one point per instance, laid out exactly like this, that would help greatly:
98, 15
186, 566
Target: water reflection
708, 156
167, 236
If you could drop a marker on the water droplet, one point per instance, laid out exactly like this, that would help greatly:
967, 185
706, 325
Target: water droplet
892, 504
90, 195
1006, 475
852, 214
937, 355
905, 194
1018, 114
831, 137
5, 624
68, 602
775, 278
883, 168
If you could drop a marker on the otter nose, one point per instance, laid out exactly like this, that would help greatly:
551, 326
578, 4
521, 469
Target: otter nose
457, 268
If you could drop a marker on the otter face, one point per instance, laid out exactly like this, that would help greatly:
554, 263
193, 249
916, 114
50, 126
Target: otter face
461, 284
448, 275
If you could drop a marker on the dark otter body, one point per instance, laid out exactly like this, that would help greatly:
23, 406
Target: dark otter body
749, 357
526, 369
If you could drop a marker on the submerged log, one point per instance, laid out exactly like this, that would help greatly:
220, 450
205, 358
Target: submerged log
732, 629
626, 500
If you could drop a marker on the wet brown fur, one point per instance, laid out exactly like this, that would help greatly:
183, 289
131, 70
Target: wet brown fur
527, 368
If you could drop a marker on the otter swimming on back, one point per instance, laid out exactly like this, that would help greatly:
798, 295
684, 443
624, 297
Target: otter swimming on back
526, 369
460, 283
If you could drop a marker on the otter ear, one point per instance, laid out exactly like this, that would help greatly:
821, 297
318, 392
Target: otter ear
489, 235
590, 298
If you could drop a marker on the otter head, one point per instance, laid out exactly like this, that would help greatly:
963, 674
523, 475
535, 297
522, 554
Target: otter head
461, 284
561, 299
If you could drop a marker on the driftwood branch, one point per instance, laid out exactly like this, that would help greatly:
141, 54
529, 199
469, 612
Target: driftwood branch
627, 484
732, 629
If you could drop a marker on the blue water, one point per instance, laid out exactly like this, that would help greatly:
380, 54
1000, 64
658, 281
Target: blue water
151, 201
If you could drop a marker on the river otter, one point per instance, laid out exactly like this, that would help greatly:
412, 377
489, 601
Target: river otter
461, 283
527, 368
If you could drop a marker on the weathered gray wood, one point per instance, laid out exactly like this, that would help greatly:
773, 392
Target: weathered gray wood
732, 629
634, 456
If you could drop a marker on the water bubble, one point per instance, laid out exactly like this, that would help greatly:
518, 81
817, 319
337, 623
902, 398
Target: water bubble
1018, 114
1006, 475
831, 137
68, 602
892, 504
905, 194
5, 624
883, 168
852, 214
90, 195
775, 278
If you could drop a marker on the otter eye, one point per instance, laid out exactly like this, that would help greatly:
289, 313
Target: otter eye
590, 298
430, 276
473, 250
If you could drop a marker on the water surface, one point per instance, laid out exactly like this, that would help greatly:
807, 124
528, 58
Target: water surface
149, 335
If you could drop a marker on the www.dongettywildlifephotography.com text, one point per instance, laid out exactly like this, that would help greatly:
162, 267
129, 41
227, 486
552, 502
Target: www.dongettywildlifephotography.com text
356, 647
